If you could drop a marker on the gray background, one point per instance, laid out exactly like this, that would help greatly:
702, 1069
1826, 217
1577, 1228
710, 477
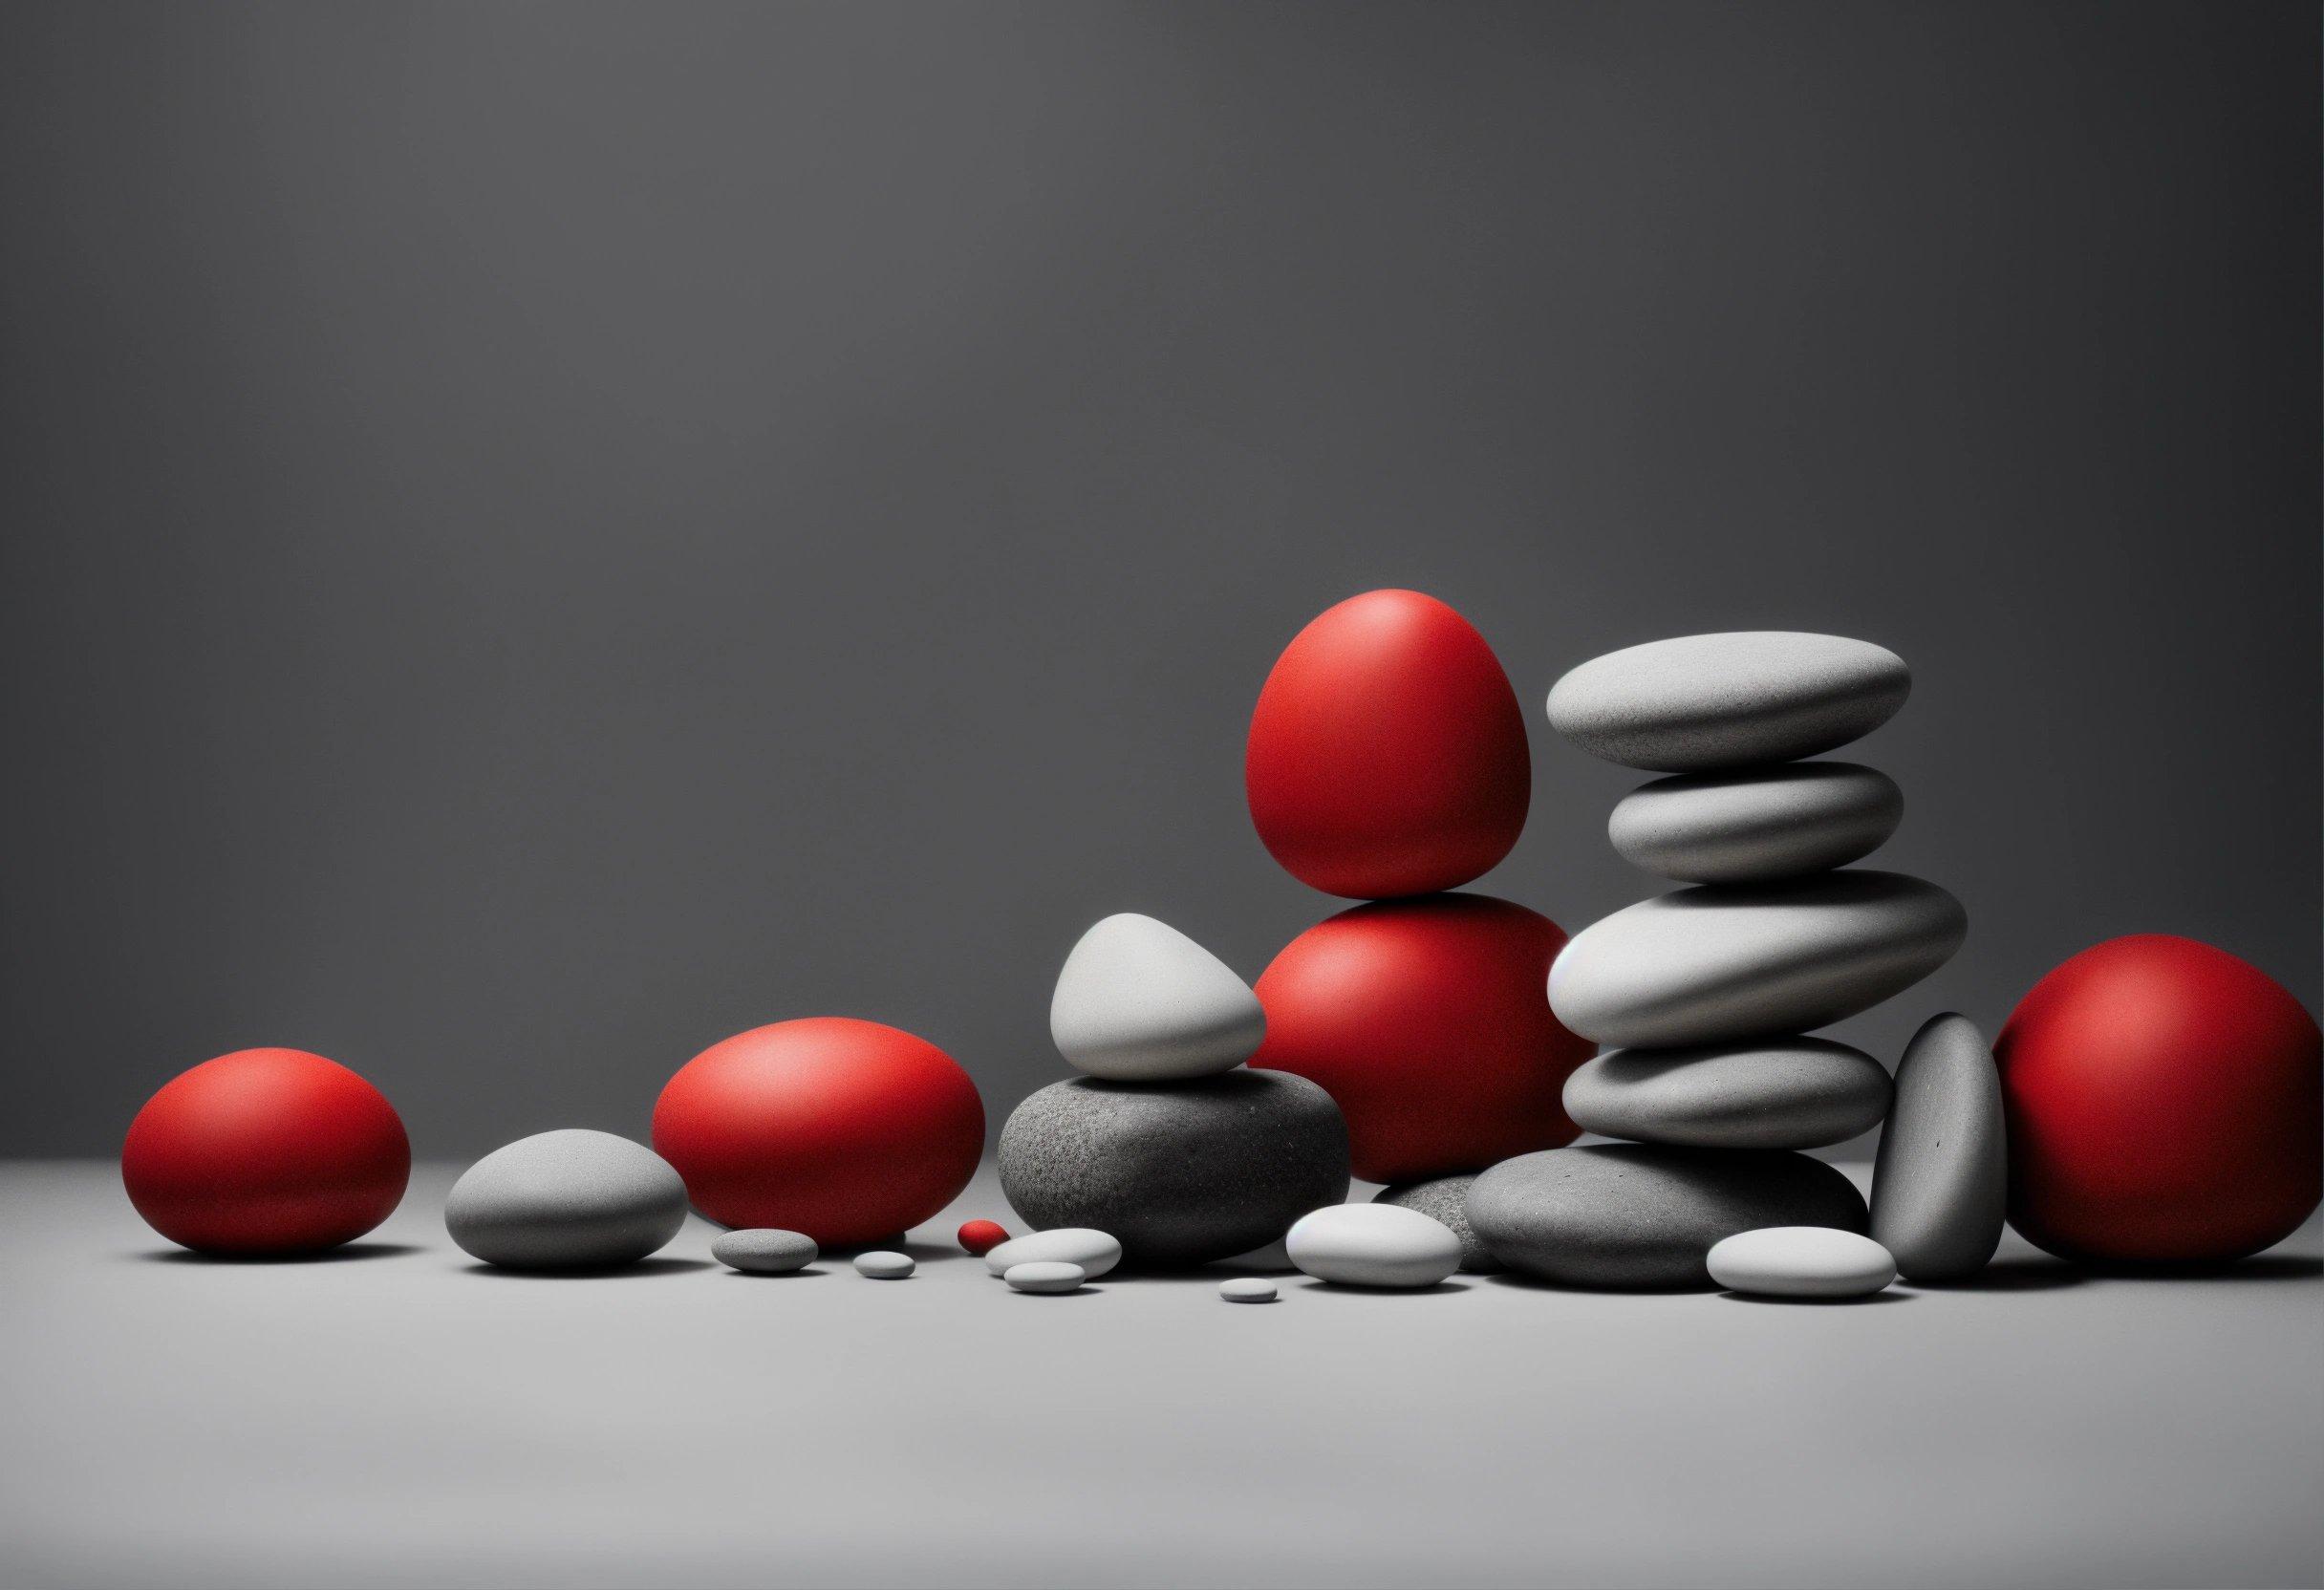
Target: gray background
539, 537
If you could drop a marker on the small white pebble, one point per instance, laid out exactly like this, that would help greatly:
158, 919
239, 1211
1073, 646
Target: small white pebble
1247, 1289
1045, 1274
883, 1265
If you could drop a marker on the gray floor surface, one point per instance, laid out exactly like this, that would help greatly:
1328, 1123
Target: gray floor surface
398, 1416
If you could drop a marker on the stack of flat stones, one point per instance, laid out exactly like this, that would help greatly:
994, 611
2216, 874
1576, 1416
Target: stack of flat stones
1706, 997
1166, 1141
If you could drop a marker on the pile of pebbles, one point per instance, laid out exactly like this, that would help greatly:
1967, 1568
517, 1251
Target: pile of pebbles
1705, 995
1165, 1139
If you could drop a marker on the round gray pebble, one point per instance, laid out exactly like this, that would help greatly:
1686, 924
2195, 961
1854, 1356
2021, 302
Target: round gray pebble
1045, 1274
765, 1251
1247, 1289
565, 1200
883, 1265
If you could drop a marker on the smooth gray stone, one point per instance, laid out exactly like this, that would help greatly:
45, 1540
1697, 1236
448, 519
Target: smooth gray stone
1374, 1245
1756, 824
1800, 1261
1705, 701
1247, 1289
765, 1251
1181, 1172
1092, 1251
1773, 1093
565, 1200
1445, 1200
1636, 1214
1941, 1181
1140, 1001
880, 1264
1719, 964
1045, 1274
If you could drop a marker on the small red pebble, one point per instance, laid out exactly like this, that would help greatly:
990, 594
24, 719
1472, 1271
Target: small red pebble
981, 1237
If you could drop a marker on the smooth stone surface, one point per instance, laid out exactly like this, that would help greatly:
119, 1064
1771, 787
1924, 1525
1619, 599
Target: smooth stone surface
764, 1252
1445, 1200
1800, 1261
1705, 701
563, 1200
1247, 1289
882, 1265
1140, 1001
1940, 1182
1713, 965
1758, 823
1095, 1252
1182, 1173
1771, 1093
1045, 1274
1374, 1245
1634, 1214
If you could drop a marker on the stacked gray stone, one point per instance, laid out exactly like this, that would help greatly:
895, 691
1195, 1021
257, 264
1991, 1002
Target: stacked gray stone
1704, 996
1166, 1141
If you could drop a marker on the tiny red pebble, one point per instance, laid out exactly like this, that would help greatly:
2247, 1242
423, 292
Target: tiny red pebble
981, 1237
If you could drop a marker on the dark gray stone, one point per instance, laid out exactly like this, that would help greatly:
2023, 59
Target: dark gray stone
1774, 1093
1445, 1200
765, 1251
1705, 701
1756, 824
1636, 1214
565, 1200
1180, 1172
1941, 1182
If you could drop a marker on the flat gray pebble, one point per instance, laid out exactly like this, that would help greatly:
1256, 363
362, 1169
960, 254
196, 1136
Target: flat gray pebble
1722, 963
1636, 1214
764, 1251
883, 1265
1247, 1289
1756, 824
1045, 1274
1769, 1093
1704, 701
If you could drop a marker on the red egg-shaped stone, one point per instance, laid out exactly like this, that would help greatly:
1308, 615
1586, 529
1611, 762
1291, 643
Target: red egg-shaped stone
1425, 1021
978, 1237
265, 1152
2164, 1104
848, 1130
1387, 755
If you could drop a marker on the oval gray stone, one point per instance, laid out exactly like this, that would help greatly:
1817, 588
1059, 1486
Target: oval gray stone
1800, 1261
1092, 1251
1045, 1274
1718, 964
1635, 1214
1941, 1181
1140, 1001
1756, 824
764, 1251
1373, 1244
1774, 1093
1445, 1200
1247, 1289
1182, 1173
1705, 701
565, 1200
880, 1264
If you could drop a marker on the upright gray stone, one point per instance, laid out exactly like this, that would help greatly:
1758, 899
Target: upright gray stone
1941, 1181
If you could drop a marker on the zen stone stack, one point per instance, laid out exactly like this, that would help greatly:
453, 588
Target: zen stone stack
1167, 1143
1705, 995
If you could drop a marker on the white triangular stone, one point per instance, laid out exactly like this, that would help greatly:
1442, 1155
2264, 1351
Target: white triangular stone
1140, 1001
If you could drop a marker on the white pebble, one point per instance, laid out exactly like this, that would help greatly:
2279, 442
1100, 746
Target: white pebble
883, 1265
1045, 1274
1247, 1289
1374, 1245
1800, 1261
1093, 1250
